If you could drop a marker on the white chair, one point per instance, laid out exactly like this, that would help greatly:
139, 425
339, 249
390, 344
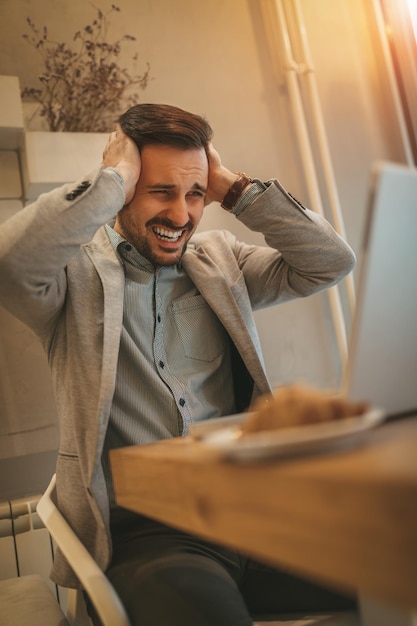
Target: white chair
102, 594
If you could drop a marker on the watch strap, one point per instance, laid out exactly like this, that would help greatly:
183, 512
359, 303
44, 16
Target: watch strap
235, 191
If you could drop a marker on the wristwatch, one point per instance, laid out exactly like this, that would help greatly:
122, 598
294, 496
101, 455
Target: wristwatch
235, 191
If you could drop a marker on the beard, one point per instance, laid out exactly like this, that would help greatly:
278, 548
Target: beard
146, 242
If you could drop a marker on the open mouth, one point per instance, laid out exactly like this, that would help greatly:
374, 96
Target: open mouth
167, 235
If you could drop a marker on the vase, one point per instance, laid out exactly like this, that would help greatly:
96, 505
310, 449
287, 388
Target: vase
50, 159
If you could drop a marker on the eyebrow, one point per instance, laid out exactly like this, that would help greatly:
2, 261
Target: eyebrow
165, 186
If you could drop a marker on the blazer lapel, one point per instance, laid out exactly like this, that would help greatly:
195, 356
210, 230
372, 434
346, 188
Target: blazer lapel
237, 318
112, 278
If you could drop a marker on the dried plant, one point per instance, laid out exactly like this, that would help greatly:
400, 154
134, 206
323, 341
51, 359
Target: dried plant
83, 89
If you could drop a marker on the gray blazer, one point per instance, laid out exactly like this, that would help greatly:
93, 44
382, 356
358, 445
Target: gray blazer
60, 275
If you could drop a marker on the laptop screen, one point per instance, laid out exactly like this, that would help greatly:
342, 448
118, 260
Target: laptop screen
382, 356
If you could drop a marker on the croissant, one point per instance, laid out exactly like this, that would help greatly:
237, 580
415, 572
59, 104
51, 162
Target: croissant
298, 405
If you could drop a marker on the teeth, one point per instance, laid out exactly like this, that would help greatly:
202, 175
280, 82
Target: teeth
168, 234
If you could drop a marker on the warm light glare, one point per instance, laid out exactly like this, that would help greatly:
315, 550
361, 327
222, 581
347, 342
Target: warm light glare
412, 7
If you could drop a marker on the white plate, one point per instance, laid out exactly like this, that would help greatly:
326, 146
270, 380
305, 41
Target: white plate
226, 437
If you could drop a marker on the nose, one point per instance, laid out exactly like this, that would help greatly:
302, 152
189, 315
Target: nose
177, 212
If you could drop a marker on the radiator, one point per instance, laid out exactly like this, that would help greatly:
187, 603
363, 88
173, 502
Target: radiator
25, 544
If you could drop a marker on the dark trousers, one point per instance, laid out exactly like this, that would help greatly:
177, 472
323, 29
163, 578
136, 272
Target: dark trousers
166, 577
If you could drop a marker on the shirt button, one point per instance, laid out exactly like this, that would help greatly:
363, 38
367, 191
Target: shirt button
161, 364
159, 318
128, 247
182, 401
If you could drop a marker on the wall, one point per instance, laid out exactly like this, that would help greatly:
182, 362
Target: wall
213, 58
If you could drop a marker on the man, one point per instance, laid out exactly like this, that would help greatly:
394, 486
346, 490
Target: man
148, 327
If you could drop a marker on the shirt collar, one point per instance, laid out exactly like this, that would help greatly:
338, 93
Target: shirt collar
128, 253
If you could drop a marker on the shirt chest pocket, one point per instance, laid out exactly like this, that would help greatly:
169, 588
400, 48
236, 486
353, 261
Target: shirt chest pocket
202, 335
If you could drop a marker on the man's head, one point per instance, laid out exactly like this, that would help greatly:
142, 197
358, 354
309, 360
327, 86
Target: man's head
169, 198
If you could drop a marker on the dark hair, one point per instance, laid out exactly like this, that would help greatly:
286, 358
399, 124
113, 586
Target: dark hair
165, 124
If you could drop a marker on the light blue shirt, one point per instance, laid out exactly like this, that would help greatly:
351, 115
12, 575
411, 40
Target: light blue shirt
174, 364
174, 358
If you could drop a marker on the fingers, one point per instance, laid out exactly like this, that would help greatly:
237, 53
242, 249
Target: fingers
122, 154
220, 178
118, 146
213, 157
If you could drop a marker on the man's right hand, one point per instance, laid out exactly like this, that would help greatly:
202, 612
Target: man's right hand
122, 154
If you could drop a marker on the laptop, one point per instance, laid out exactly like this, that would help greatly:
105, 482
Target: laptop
382, 353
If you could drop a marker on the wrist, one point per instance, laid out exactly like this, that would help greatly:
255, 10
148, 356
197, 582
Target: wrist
129, 176
237, 188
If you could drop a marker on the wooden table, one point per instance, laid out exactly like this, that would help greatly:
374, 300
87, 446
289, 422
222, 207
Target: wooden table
347, 517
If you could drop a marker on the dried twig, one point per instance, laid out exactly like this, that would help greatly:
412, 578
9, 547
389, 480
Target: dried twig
83, 88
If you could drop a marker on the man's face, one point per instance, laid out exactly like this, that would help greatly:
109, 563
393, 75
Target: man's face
168, 202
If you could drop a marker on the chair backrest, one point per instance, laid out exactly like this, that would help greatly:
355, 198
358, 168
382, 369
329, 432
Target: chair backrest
92, 579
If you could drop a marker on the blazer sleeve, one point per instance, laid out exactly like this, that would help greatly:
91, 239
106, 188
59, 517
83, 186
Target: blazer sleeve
304, 254
38, 242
